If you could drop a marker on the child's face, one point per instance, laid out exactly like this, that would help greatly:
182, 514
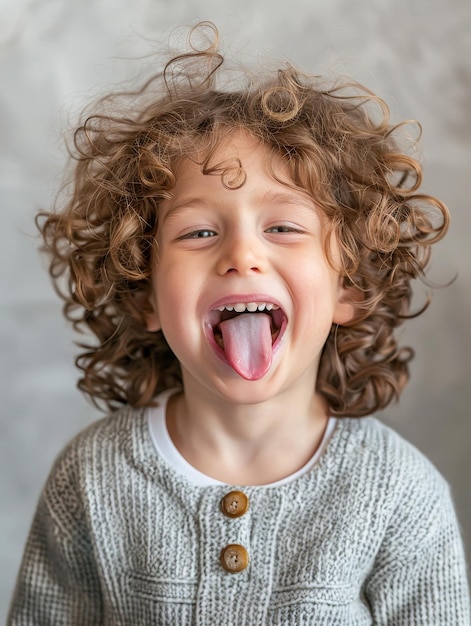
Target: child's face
221, 248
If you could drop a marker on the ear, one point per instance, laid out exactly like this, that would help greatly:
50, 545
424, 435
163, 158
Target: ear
152, 321
348, 296
148, 307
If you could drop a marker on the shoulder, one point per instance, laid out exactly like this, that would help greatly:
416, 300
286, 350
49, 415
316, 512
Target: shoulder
379, 463
115, 432
115, 441
402, 486
379, 449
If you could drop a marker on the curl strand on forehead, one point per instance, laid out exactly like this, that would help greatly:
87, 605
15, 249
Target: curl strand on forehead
339, 145
231, 171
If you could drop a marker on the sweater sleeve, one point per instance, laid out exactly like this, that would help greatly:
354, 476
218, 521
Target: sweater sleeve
58, 581
419, 575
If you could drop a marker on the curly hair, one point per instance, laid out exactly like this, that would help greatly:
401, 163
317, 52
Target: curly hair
340, 147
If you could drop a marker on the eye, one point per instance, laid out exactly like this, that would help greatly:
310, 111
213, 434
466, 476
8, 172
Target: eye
203, 233
283, 228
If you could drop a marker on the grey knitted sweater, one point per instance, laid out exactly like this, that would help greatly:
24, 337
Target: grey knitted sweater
369, 536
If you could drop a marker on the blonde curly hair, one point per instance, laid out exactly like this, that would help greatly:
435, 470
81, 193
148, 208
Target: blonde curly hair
340, 147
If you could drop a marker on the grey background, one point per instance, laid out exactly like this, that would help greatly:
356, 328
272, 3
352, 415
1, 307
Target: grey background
54, 56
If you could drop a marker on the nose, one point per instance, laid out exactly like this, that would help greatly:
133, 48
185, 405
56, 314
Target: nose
241, 253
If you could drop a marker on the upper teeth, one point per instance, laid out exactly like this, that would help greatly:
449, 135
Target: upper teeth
240, 307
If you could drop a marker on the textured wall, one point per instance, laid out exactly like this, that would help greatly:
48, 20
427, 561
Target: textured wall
54, 55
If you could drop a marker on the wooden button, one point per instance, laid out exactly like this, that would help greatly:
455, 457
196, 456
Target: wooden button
234, 504
234, 558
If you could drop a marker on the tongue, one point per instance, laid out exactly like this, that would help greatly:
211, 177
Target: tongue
248, 344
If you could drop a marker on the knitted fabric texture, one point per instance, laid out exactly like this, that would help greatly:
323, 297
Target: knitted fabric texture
369, 536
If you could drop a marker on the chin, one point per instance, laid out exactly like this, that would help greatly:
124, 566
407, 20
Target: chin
237, 390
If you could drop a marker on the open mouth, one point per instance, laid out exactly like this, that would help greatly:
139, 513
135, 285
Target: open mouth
229, 311
246, 333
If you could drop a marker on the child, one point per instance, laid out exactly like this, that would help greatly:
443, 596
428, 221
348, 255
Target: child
242, 255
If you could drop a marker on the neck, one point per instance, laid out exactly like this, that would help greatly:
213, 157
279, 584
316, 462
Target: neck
236, 442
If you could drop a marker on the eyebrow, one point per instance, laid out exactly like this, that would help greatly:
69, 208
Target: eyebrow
298, 198
276, 197
287, 197
185, 203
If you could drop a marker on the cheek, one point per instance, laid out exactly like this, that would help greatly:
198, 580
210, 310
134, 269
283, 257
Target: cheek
176, 299
317, 290
167, 300
313, 277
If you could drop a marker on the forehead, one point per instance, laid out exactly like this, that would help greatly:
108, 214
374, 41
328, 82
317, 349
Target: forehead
240, 172
235, 161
